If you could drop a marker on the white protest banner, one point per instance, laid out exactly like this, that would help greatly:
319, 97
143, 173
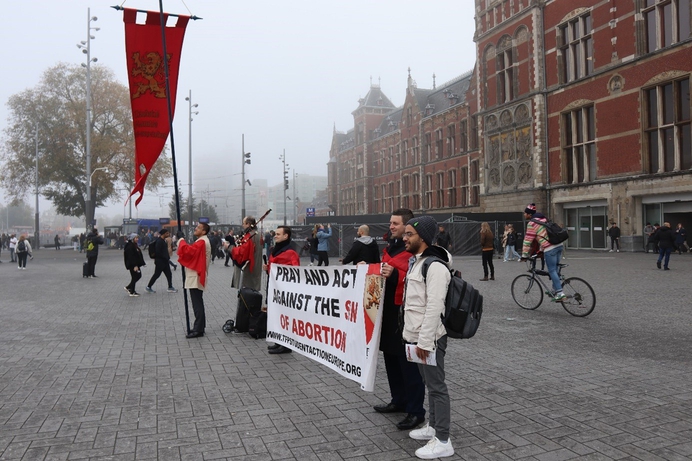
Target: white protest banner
329, 314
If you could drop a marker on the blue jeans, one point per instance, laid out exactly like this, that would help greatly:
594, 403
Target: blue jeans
664, 252
552, 258
511, 252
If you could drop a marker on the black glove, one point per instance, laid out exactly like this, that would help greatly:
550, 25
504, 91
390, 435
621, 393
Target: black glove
180, 235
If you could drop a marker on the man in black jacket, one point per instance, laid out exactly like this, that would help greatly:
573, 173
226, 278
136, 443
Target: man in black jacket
161, 259
364, 249
92, 242
443, 239
133, 262
665, 240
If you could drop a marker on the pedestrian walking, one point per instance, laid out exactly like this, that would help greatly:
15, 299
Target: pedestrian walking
443, 239
134, 261
681, 239
424, 306
314, 243
664, 238
13, 245
57, 242
614, 234
487, 248
648, 232
196, 259
510, 241
364, 249
22, 252
323, 235
230, 243
162, 258
406, 386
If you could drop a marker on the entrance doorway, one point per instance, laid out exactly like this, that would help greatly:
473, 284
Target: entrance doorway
587, 227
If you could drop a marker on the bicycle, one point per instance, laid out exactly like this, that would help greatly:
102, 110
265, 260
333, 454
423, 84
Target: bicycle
527, 290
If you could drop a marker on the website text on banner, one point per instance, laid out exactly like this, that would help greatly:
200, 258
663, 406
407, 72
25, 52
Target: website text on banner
332, 315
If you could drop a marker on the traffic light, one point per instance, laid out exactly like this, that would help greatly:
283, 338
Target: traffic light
285, 180
247, 158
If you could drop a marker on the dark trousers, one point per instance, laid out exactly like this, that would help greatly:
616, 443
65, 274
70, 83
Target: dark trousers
488, 261
664, 252
196, 296
405, 384
323, 257
91, 260
159, 267
614, 242
21, 259
135, 276
228, 256
438, 394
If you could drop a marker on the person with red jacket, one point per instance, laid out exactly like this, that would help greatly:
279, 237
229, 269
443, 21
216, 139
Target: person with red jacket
405, 382
281, 253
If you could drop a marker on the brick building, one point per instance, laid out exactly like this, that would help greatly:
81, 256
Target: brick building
582, 107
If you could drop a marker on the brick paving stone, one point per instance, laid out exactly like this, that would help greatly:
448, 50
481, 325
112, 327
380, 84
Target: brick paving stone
113, 377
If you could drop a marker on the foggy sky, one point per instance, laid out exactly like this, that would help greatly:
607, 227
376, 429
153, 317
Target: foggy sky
283, 73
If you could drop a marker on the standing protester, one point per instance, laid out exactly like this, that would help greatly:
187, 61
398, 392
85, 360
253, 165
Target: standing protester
215, 242
405, 382
230, 243
323, 237
268, 242
648, 232
314, 243
161, 262
133, 262
424, 305
664, 238
57, 242
92, 242
248, 250
364, 249
82, 240
680, 239
488, 250
551, 253
13, 244
443, 239
281, 253
196, 258
22, 251
614, 233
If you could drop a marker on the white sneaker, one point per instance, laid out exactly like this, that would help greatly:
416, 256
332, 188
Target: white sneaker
610, 251
435, 449
424, 433
618, 251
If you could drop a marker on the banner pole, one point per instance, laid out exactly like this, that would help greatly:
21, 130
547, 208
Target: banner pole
175, 169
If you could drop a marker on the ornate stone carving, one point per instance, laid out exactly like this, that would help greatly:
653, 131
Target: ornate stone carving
616, 84
494, 151
491, 122
524, 173
494, 176
665, 76
508, 175
522, 114
505, 118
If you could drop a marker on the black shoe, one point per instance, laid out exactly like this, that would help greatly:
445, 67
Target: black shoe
666, 269
658, 264
410, 422
95, 276
389, 408
273, 346
280, 350
225, 265
194, 334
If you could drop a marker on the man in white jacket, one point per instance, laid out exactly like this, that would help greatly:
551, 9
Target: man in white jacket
424, 305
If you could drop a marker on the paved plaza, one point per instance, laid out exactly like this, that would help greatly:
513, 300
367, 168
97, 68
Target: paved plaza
87, 372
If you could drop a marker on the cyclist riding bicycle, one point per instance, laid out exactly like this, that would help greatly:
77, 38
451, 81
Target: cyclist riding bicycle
551, 253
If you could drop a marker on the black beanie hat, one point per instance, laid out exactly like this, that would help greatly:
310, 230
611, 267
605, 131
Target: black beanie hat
426, 226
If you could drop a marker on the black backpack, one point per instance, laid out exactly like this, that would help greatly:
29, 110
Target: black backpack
463, 304
21, 246
152, 248
556, 234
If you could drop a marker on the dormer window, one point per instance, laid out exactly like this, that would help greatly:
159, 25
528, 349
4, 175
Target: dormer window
379, 101
429, 109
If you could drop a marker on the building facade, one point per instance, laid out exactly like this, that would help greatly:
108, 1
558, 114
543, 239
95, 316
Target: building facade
581, 107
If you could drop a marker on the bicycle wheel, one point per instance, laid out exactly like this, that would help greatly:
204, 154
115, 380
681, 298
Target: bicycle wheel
527, 292
581, 299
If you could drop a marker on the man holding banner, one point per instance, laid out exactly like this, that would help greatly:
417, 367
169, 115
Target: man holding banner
405, 382
281, 253
195, 258
424, 301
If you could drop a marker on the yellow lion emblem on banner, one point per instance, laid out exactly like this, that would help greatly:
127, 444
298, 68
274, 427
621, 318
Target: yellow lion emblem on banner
149, 68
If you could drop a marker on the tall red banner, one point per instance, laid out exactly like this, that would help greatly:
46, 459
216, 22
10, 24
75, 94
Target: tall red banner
146, 74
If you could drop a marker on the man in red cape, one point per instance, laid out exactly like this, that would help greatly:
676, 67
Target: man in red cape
282, 253
195, 258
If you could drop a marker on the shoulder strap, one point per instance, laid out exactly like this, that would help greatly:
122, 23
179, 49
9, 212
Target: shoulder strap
428, 261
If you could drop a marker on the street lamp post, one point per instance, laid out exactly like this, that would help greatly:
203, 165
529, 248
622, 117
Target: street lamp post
246, 159
189, 173
37, 232
283, 160
102, 168
85, 46
295, 200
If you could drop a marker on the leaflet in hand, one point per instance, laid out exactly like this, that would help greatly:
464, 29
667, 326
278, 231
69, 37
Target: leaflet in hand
412, 357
